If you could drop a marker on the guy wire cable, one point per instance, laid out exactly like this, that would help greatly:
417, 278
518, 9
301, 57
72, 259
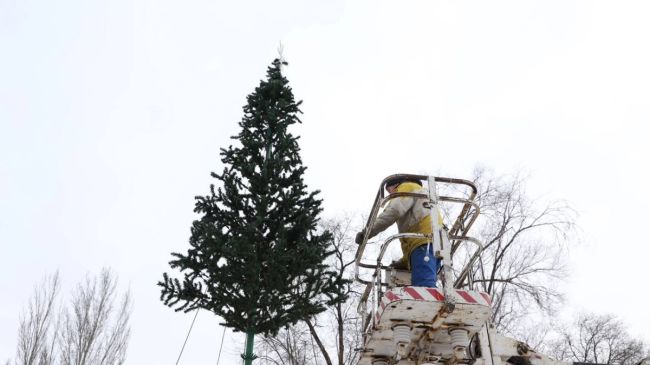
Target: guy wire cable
221, 346
188, 336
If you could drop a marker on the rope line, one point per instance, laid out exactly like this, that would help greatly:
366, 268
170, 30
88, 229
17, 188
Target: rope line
186, 337
221, 346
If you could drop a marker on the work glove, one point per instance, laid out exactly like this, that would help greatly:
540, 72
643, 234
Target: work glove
360, 236
399, 264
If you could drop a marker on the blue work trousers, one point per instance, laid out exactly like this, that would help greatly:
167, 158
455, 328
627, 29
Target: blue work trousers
423, 273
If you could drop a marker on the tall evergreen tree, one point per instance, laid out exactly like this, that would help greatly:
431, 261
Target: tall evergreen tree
256, 255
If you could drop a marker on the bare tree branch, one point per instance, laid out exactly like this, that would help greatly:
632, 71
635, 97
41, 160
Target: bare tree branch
92, 330
524, 242
38, 324
598, 339
291, 346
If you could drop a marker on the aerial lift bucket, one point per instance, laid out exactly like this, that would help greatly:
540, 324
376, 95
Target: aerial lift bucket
412, 325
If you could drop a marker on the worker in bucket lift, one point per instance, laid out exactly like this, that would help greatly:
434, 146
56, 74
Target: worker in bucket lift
411, 216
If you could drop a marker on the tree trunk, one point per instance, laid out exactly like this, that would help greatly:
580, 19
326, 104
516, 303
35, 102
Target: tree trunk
249, 356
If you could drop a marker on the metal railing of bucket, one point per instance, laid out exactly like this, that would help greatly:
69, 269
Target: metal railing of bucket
453, 239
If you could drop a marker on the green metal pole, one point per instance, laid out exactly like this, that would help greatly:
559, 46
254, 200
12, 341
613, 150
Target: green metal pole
249, 356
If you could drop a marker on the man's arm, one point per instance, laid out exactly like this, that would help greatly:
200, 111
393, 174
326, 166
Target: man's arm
395, 209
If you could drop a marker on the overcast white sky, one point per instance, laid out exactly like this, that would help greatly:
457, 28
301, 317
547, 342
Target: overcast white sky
112, 114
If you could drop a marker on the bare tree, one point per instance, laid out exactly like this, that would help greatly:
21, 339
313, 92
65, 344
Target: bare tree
524, 245
340, 324
291, 346
38, 328
95, 330
602, 339
344, 315
92, 330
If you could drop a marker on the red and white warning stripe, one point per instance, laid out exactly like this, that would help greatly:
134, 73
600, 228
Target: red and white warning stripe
433, 295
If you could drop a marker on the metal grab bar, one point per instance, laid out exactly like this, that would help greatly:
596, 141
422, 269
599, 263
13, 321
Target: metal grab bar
467, 269
378, 267
457, 224
376, 283
457, 228
375, 280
